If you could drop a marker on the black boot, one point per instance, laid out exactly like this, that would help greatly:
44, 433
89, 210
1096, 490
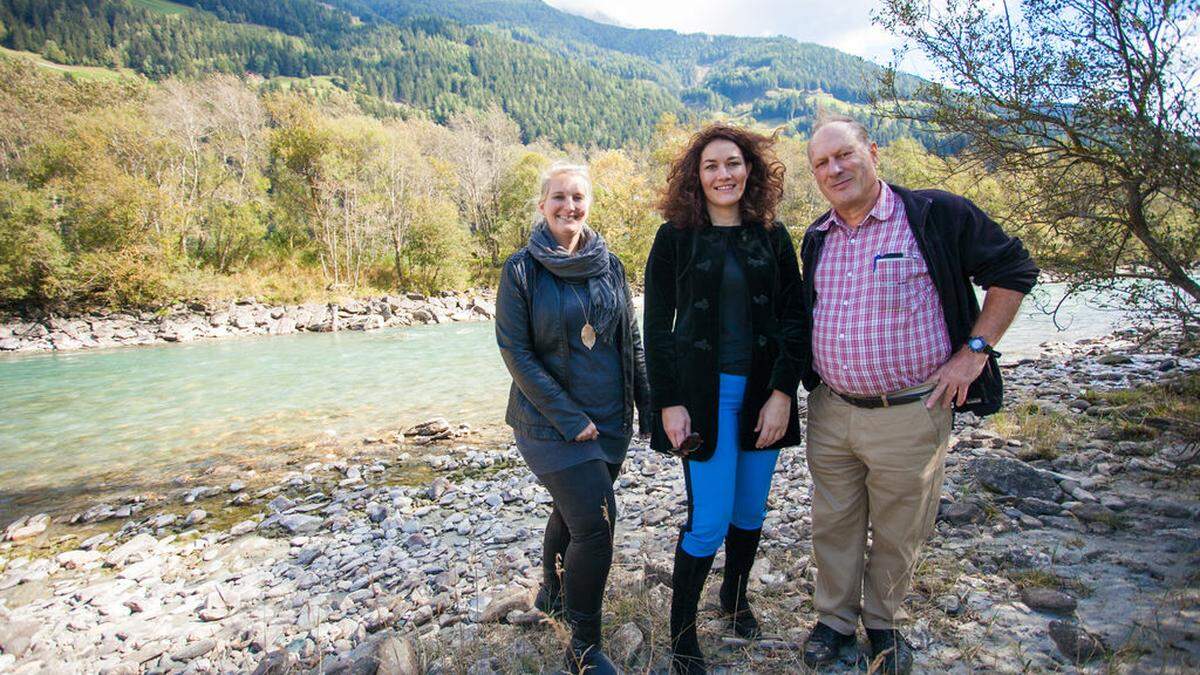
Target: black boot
584, 655
687, 581
895, 650
740, 549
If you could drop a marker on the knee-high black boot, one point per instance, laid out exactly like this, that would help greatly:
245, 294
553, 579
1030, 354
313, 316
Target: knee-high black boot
584, 655
687, 582
740, 549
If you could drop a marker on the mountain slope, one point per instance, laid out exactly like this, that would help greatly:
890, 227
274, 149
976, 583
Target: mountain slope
562, 77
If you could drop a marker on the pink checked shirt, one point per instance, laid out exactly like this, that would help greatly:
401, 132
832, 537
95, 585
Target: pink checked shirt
878, 325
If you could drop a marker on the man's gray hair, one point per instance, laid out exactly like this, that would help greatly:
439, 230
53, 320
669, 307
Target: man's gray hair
826, 118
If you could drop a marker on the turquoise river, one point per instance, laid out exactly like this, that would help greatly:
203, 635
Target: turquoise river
67, 418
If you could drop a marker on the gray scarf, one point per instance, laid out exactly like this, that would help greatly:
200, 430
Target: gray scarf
590, 262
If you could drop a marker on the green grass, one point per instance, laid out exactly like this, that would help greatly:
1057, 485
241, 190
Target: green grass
162, 6
1046, 579
1143, 413
81, 72
1040, 429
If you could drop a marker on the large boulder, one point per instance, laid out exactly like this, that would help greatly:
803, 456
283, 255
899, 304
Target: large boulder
1014, 478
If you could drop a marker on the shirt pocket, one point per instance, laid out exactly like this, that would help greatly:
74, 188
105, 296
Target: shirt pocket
896, 281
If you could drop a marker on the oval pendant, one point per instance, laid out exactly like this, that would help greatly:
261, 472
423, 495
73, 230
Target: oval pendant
588, 335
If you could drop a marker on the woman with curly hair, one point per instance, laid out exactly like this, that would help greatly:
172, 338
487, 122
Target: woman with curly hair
724, 332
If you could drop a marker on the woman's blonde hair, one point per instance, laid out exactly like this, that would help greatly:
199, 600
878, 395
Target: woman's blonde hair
559, 168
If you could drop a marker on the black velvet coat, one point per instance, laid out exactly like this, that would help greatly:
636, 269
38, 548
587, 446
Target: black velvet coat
682, 328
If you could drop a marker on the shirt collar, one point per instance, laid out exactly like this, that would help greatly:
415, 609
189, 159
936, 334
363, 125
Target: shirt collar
884, 206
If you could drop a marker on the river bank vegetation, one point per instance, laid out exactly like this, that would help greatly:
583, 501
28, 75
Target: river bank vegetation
124, 192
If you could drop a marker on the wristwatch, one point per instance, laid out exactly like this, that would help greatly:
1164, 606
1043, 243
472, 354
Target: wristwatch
980, 346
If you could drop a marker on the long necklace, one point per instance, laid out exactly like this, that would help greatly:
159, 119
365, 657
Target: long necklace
587, 334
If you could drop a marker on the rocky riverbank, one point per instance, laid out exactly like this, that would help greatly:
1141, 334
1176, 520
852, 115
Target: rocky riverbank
1068, 539
196, 321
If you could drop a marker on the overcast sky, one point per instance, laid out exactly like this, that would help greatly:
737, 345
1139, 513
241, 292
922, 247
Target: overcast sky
844, 25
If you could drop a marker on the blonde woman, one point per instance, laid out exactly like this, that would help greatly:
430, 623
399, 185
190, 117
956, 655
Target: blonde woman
566, 330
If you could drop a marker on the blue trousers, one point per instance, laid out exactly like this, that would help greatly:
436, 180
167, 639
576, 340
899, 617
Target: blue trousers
731, 487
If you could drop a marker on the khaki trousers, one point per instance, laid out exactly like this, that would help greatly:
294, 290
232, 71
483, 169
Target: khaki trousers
882, 466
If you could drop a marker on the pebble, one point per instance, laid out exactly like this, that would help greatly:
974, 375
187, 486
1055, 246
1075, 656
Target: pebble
194, 650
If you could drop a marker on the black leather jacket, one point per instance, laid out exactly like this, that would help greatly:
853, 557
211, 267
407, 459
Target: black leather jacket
532, 340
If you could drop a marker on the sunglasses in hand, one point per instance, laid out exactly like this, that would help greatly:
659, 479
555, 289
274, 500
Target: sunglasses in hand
691, 444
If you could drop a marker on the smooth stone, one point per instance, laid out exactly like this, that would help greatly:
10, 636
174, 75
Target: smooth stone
1014, 477
398, 655
17, 636
500, 606
1048, 599
624, 644
1074, 642
299, 523
962, 513
137, 546
1090, 512
278, 662
194, 650
244, 527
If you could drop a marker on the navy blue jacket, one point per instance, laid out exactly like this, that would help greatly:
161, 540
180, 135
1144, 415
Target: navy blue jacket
960, 243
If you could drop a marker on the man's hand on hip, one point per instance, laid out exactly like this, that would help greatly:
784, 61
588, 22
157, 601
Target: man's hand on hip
954, 378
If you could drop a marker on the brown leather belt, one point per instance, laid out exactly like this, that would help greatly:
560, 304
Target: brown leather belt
885, 400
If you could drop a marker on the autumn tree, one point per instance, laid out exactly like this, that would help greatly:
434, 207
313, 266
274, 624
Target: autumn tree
1089, 106
485, 145
518, 198
623, 208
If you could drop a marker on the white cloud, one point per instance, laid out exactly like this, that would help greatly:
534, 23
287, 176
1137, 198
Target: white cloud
845, 25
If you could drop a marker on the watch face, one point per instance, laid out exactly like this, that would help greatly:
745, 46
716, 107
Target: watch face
976, 344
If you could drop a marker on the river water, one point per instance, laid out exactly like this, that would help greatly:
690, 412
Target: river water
66, 418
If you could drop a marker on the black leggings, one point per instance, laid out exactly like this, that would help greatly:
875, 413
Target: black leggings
579, 533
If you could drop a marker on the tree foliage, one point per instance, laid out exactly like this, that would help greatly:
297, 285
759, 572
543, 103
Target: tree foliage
560, 77
1089, 108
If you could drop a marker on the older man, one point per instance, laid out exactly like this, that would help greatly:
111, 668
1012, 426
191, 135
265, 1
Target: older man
897, 341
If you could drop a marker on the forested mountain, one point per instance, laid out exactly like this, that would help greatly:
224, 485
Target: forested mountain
561, 77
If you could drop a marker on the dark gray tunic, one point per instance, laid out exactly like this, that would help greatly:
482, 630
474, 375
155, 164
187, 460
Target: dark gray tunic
734, 348
595, 385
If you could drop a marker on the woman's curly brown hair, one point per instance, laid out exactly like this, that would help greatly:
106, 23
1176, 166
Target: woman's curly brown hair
683, 202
